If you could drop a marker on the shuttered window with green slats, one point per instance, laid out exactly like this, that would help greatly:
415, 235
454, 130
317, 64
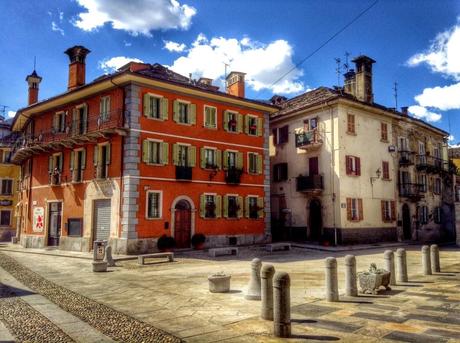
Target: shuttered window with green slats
254, 207
184, 112
233, 206
210, 117
184, 155
155, 152
210, 205
233, 122
155, 107
77, 164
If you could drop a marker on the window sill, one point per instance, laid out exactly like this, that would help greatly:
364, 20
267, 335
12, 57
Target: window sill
185, 124
77, 182
154, 118
351, 133
155, 164
210, 127
386, 179
354, 175
384, 141
154, 219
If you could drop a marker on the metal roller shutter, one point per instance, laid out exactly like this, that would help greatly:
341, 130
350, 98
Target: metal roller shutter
101, 219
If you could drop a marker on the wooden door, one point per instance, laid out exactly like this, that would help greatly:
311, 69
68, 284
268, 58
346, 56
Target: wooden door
182, 225
313, 166
55, 218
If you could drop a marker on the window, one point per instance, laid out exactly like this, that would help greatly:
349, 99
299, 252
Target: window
155, 152
233, 159
101, 160
254, 163
351, 124
385, 170
7, 187
155, 107
5, 156
310, 124
423, 214
210, 158
403, 144
5, 217
74, 227
254, 207
233, 206
210, 205
59, 122
388, 211
437, 185
422, 152
104, 108
253, 126
77, 164
437, 213
80, 120
354, 209
281, 135
232, 121
184, 155
353, 165
423, 183
210, 117
153, 204
184, 112
55, 168
280, 172
384, 132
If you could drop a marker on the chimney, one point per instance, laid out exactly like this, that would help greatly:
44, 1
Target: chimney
77, 56
235, 84
405, 110
364, 78
350, 82
33, 80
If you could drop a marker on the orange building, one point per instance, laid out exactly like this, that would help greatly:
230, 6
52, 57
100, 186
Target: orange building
141, 153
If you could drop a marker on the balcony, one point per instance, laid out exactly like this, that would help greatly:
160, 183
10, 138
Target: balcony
183, 173
55, 178
310, 184
411, 191
233, 176
309, 140
73, 133
431, 164
406, 158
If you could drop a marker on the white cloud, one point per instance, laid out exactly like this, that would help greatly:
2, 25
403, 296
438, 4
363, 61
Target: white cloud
443, 56
262, 63
443, 98
174, 46
135, 16
451, 138
11, 114
112, 64
55, 27
422, 113
126, 43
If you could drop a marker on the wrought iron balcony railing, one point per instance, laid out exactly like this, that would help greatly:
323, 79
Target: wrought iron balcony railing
312, 183
410, 190
233, 175
183, 173
406, 158
308, 140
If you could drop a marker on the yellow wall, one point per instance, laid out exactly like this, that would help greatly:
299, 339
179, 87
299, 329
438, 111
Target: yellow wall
9, 171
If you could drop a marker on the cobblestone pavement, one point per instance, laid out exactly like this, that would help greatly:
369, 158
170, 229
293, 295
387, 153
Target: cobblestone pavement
174, 297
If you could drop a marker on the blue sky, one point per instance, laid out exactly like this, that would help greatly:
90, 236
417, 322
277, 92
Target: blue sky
415, 43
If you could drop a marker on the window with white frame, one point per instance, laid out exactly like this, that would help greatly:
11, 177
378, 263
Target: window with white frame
210, 117
251, 122
77, 164
310, 124
7, 187
231, 159
254, 207
102, 157
210, 206
104, 108
59, 122
5, 217
254, 163
154, 204
423, 214
437, 185
388, 211
422, 180
232, 121
233, 206
209, 158
354, 209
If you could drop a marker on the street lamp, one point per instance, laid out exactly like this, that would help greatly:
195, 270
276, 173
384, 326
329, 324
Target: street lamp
377, 173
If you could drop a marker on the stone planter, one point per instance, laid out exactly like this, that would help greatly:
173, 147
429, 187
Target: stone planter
370, 281
219, 283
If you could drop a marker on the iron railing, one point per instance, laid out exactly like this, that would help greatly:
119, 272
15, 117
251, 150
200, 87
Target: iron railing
307, 138
233, 175
309, 183
183, 173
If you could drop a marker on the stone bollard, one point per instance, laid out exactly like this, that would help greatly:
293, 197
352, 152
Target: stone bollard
389, 259
282, 305
426, 260
401, 264
435, 261
351, 287
108, 256
332, 287
266, 276
254, 282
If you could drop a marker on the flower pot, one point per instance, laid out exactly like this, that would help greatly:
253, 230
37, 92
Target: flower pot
371, 282
219, 283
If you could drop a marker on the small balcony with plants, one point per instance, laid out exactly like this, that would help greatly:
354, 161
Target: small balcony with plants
308, 140
412, 191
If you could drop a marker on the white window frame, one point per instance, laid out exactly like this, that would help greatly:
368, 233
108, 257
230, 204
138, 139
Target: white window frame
160, 204
184, 102
105, 111
388, 215
214, 149
402, 139
236, 114
75, 165
249, 196
204, 117
254, 172
256, 119
59, 129
12, 185
236, 158
355, 209
215, 203
159, 97
159, 141
228, 203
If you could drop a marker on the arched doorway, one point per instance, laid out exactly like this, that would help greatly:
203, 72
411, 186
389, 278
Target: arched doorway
182, 224
315, 220
406, 222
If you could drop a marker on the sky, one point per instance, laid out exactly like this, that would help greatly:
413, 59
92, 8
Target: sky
415, 43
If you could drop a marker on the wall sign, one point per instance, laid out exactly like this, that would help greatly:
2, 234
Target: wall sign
39, 219
6, 202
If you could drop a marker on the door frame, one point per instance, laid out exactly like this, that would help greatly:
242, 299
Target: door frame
47, 219
93, 220
405, 205
192, 213
318, 201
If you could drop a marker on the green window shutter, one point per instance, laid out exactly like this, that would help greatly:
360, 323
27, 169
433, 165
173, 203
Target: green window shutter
239, 160
61, 162
225, 156
147, 104
259, 164
219, 159
175, 154
74, 121
85, 119
260, 126
71, 160
260, 204
50, 164
246, 207
176, 111
164, 103
218, 206
191, 156
55, 121
145, 150
96, 155
226, 120
107, 154
225, 206
202, 205
83, 159
240, 209
239, 123
202, 158
246, 124
192, 112
101, 106
165, 153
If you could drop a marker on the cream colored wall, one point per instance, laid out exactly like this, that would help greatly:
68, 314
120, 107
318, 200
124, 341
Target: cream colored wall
366, 145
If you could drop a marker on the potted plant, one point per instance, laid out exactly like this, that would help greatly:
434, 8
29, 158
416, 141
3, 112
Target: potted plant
166, 243
198, 240
219, 282
371, 280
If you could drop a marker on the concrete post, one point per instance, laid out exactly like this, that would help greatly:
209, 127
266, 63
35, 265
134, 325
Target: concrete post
389, 259
435, 261
351, 287
254, 282
401, 264
266, 276
282, 305
108, 256
426, 260
332, 288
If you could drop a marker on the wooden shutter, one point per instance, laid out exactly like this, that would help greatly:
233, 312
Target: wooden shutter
202, 158
358, 166
55, 122
202, 205
71, 160
239, 123
175, 154
192, 114
384, 132
219, 159
61, 162
360, 209
246, 207
386, 170
84, 119
260, 126
83, 159
50, 164
259, 164
191, 156
225, 157
246, 124
147, 105
107, 154
96, 155
348, 164
218, 206
225, 206
275, 136
393, 210
240, 207
349, 209
226, 120
164, 108
261, 205
176, 111
74, 122
165, 153
145, 150
382, 208
239, 160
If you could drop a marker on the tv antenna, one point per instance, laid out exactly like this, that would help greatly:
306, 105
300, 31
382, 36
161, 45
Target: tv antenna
338, 70
395, 94
346, 65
